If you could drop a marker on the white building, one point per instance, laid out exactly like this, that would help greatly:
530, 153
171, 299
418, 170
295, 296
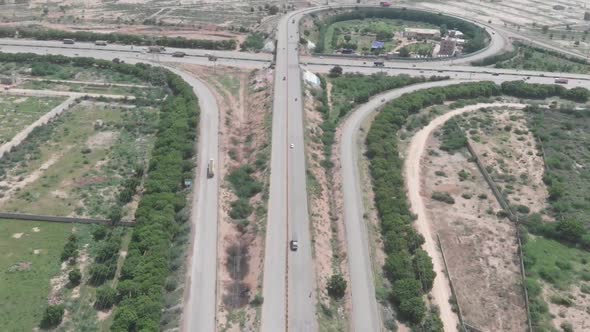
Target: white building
418, 33
455, 34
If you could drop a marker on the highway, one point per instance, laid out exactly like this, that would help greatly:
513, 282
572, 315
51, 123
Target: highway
289, 303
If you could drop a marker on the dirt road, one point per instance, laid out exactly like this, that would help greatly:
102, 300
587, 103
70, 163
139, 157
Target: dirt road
441, 291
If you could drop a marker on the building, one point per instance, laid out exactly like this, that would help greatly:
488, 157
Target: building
377, 45
447, 47
455, 34
422, 33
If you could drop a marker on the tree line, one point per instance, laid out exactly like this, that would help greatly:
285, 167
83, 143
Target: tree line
477, 38
140, 292
87, 36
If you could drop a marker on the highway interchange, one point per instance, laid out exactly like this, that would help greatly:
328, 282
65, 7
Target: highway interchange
289, 281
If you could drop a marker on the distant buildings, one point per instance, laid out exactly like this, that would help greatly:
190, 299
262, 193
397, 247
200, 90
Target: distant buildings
418, 33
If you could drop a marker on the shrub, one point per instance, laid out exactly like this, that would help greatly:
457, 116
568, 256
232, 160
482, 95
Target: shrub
257, 301
75, 276
336, 286
105, 297
453, 138
443, 197
52, 316
99, 232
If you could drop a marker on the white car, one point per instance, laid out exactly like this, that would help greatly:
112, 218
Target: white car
292, 145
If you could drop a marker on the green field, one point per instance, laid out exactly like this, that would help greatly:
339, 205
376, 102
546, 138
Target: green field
24, 290
362, 33
87, 153
16, 113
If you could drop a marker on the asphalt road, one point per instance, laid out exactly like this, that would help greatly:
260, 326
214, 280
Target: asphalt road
200, 308
288, 290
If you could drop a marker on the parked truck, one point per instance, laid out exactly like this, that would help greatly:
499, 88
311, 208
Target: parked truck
561, 80
69, 41
156, 49
210, 168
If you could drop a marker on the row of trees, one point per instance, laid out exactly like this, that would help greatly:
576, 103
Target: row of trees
477, 38
407, 266
541, 91
87, 36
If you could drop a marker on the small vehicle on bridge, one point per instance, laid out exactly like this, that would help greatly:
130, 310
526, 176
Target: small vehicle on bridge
294, 245
379, 63
69, 41
100, 43
178, 54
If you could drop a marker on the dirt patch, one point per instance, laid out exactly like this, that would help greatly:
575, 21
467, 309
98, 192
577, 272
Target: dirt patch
508, 149
20, 266
103, 315
17, 235
102, 139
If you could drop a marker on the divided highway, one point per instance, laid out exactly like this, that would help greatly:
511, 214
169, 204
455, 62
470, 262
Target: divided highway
288, 289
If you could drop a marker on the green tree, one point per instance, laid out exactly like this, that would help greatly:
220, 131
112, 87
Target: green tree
413, 309
52, 316
75, 276
336, 286
336, 71
424, 269
273, 10
570, 230
404, 52
115, 214
99, 232
105, 297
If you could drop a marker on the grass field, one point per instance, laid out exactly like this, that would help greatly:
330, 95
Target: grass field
532, 59
76, 164
16, 113
362, 33
23, 295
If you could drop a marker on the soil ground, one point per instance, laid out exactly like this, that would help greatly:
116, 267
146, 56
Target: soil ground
463, 228
480, 249
244, 100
